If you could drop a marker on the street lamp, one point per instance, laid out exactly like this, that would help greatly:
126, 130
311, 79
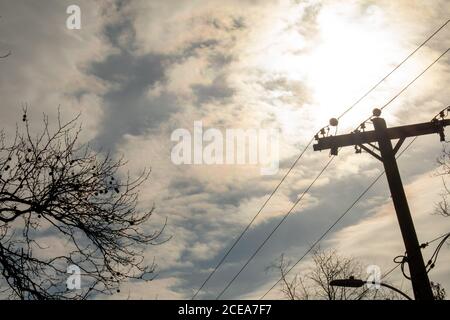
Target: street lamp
357, 283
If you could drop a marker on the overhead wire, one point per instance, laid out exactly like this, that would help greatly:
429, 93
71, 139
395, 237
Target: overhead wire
432, 261
336, 221
276, 227
227, 253
382, 277
395, 68
411, 82
402, 260
384, 106
222, 260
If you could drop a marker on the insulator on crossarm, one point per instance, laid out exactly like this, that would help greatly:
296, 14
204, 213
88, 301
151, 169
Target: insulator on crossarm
334, 122
334, 151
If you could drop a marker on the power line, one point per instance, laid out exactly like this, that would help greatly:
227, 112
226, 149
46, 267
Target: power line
253, 219
384, 106
435, 239
338, 220
289, 212
284, 218
432, 261
327, 231
300, 156
411, 82
414, 80
393, 70
382, 277
398, 264
390, 271
276, 227
403, 259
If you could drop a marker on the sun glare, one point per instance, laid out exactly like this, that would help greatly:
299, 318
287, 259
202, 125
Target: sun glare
338, 64
350, 58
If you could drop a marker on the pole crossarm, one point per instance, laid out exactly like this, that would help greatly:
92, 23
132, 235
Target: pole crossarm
383, 136
401, 132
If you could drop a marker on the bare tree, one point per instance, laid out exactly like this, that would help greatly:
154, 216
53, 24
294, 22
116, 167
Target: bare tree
314, 283
294, 288
63, 204
443, 171
328, 265
438, 291
443, 209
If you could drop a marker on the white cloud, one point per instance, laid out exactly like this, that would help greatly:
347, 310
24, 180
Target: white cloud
377, 239
233, 64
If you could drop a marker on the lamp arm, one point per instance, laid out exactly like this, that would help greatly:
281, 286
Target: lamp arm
396, 290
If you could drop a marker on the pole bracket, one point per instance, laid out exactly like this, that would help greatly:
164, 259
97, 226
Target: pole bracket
398, 145
370, 152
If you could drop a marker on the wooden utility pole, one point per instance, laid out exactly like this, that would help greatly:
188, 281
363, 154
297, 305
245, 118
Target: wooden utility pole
386, 154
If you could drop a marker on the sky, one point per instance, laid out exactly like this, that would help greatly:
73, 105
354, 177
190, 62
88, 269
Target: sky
138, 70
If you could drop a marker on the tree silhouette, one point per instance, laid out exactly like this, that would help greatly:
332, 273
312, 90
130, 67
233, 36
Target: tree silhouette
438, 291
314, 283
63, 204
443, 170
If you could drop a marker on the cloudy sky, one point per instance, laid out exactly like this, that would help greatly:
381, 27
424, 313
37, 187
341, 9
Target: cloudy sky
138, 70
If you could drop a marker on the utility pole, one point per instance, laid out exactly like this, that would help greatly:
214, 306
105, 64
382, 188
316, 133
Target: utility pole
386, 154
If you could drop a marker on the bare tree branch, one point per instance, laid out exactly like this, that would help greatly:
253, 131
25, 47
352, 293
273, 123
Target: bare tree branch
51, 187
314, 283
